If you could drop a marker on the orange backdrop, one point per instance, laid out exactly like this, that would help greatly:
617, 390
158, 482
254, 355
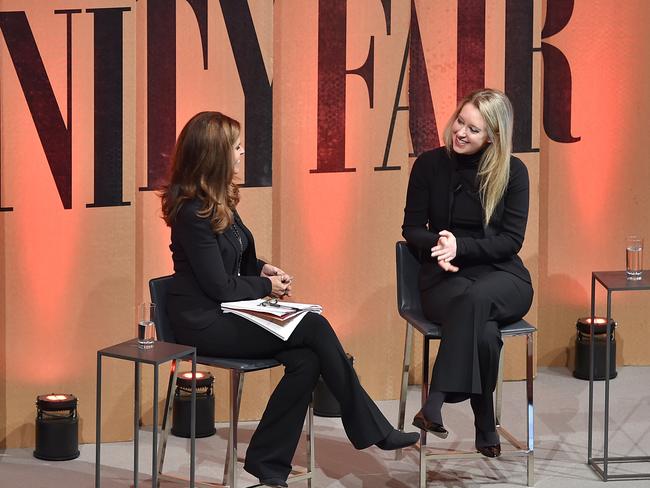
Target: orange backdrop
339, 129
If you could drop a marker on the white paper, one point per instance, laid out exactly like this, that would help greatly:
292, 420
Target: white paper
283, 331
279, 309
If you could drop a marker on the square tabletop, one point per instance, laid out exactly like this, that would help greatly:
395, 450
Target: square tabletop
160, 353
617, 280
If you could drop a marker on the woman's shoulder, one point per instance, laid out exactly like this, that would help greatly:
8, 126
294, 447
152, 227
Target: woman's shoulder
189, 209
517, 166
437, 154
432, 159
519, 179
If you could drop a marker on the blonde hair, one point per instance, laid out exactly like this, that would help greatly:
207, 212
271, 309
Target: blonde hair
203, 168
494, 166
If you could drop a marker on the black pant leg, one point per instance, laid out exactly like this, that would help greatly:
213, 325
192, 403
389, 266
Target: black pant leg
464, 307
364, 423
469, 309
274, 442
233, 336
489, 350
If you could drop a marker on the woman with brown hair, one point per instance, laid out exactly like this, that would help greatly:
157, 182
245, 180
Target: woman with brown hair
215, 261
466, 212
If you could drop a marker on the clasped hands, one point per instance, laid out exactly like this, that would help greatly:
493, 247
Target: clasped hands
445, 250
280, 281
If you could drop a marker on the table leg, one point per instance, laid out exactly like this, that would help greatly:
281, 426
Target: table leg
98, 422
154, 430
193, 423
167, 416
607, 364
591, 371
136, 424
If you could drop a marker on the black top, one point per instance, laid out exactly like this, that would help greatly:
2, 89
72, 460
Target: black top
442, 194
206, 269
466, 211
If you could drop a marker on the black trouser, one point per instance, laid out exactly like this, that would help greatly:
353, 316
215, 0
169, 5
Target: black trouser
470, 309
312, 350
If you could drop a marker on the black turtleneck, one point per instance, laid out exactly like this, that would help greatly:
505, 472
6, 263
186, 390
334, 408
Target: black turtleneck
467, 212
435, 201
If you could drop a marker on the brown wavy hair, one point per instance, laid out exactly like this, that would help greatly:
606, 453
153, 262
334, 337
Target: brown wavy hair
203, 168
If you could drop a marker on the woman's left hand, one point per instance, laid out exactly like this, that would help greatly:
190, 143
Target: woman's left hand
445, 251
269, 270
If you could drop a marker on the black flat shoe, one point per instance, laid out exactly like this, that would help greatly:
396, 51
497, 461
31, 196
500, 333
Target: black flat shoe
490, 451
398, 440
421, 422
274, 482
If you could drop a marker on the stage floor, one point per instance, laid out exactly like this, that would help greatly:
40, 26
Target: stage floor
561, 403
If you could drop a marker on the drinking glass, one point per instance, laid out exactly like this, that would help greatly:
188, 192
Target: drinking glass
146, 325
634, 257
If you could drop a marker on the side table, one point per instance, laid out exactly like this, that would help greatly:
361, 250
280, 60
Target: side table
162, 352
612, 281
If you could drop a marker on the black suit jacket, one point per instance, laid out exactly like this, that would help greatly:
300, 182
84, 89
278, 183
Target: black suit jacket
205, 270
429, 199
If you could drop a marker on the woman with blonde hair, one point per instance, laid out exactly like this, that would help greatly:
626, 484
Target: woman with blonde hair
466, 212
215, 261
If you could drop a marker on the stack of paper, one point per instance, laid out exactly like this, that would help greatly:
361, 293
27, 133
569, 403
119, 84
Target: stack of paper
278, 317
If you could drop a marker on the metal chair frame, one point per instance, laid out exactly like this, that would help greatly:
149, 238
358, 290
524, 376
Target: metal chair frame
237, 369
407, 271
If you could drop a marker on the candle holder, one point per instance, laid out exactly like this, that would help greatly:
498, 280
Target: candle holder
204, 405
583, 343
57, 427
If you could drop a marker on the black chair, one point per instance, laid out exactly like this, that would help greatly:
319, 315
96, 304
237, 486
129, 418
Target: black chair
410, 309
158, 287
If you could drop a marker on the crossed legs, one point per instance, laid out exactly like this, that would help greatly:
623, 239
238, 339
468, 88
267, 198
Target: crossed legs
470, 309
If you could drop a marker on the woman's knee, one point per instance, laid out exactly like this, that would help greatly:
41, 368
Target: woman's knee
313, 327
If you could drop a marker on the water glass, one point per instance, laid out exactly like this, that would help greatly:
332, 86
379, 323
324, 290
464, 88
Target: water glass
146, 325
634, 257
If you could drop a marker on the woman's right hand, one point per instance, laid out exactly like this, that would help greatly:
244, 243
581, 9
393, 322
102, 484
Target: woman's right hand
444, 251
280, 287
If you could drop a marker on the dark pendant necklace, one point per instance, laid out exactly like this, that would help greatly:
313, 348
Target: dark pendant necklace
240, 255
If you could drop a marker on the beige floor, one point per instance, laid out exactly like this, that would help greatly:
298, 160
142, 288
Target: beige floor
560, 451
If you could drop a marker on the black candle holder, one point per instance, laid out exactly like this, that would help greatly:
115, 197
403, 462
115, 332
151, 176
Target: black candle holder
57, 427
583, 341
204, 405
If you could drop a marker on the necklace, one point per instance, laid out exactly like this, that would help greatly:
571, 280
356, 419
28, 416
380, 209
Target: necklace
235, 231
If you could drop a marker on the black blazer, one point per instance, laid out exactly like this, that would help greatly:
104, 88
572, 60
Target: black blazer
428, 211
205, 270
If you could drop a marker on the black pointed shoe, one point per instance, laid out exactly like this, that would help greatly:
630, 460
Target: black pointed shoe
421, 422
398, 440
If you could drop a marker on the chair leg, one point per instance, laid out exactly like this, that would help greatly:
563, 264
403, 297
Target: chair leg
498, 393
425, 384
166, 424
229, 468
311, 461
408, 348
530, 411
423, 433
423, 465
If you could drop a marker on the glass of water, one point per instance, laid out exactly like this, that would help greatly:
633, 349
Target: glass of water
146, 325
634, 257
